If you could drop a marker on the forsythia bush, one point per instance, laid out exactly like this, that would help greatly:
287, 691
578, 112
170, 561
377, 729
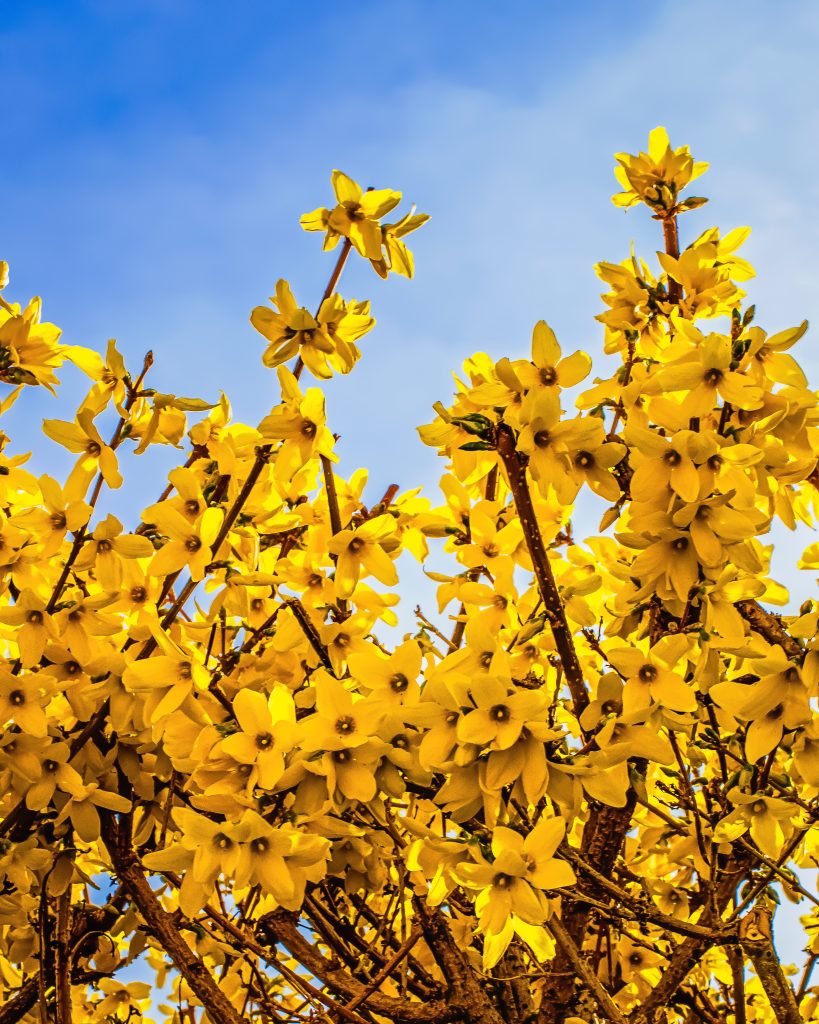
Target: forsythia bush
577, 794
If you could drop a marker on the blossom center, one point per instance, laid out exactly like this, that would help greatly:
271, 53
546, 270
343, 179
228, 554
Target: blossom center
399, 682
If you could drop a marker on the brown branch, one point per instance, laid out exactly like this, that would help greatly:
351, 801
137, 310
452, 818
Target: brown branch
757, 944
79, 537
310, 631
687, 955
284, 927
328, 291
398, 957
425, 985
789, 880
315, 996
130, 873
518, 995
87, 923
547, 585
590, 981
19, 1005
432, 628
332, 494
335, 513
804, 981
784, 856
738, 981
602, 841
466, 993
261, 460
769, 626
644, 911
44, 941
62, 967
671, 239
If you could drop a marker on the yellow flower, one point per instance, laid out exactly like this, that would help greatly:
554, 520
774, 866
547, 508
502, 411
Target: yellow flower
189, 544
364, 548
58, 517
657, 177
546, 440
29, 349
438, 714
668, 564
775, 702
341, 720
341, 639
206, 848
84, 440
80, 623
165, 680
660, 461
649, 675
56, 773
490, 544
706, 375
769, 359
350, 773
156, 420
106, 548
708, 289
356, 216
547, 368
301, 423
111, 376
280, 860
268, 726
638, 965
81, 809
35, 627
719, 600
123, 1000
20, 862
392, 679
22, 698
397, 257
637, 305
501, 714
324, 341
513, 882
592, 458
762, 815
714, 526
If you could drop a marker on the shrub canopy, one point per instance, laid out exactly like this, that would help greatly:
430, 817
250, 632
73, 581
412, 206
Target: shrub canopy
573, 792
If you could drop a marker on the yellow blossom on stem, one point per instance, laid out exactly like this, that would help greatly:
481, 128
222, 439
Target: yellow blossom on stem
355, 216
188, 544
22, 700
83, 438
364, 548
106, 548
656, 177
268, 732
166, 679
650, 676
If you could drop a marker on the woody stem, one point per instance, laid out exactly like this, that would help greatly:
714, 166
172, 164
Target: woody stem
547, 585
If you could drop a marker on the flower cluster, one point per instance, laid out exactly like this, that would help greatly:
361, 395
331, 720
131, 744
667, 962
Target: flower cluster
568, 794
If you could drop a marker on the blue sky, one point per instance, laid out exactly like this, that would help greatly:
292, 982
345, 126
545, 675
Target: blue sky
157, 155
